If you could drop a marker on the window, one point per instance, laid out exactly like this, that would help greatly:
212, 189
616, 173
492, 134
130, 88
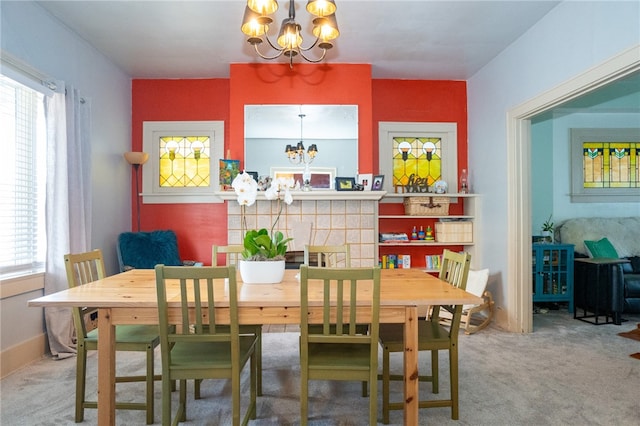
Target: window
183, 161
604, 165
22, 178
414, 151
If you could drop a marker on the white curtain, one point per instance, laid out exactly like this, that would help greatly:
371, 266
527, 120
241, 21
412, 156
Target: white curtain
68, 203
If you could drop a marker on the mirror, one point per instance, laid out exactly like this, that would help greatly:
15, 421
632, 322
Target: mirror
268, 129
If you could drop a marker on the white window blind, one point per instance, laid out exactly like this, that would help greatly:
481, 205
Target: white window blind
22, 178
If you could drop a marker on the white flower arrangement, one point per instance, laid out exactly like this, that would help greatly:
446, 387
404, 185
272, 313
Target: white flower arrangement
262, 244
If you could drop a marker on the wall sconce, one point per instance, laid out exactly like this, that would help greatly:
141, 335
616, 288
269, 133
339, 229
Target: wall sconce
136, 159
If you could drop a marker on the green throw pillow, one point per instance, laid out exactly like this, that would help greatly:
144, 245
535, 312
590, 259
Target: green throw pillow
602, 248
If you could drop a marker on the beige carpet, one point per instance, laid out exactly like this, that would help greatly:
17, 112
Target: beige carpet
565, 373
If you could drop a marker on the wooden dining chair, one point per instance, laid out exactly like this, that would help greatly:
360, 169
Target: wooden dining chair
198, 347
232, 256
328, 256
336, 350
83, 268
432, 336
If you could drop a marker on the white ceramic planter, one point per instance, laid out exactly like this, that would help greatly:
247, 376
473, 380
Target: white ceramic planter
268, 272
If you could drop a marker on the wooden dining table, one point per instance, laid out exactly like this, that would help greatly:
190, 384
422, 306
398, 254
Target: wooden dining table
130, 298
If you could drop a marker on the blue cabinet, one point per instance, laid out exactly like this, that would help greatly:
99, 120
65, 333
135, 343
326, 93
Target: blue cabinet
553, 273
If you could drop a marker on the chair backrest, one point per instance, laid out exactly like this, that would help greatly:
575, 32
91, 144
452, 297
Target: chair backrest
198, 289
455, 271
338, 288
145, 250
232, 254
83, 268
455, 268
328, 256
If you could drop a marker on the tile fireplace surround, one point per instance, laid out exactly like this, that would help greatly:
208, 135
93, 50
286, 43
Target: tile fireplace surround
316, 218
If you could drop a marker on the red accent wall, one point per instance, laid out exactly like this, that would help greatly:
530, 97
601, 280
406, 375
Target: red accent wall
348, 84
422, 101
419, 101
198, 226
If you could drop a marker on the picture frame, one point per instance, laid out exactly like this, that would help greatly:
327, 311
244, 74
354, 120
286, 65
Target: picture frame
322, 178
366, 180
378, 183
345, 184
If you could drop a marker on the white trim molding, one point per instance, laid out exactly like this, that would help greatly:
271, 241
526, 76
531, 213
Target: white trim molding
447, 132
152, 192
519, 299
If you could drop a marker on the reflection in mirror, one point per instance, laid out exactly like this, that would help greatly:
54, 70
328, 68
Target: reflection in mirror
332, 128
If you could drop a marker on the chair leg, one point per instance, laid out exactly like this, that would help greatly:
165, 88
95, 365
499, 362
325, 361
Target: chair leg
182, 408
373, 399
235, 397
304, 395
149, 381
385, 386
166, 400
453, 372
196, 388
81, 377
434, 372
254, 385
259, 358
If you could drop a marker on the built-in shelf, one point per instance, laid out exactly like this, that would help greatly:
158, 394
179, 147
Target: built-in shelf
402, 216
316, 195
424, 243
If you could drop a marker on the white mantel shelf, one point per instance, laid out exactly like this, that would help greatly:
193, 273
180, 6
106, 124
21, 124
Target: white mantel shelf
316, 195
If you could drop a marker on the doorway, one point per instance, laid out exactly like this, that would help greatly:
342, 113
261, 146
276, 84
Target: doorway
520, 300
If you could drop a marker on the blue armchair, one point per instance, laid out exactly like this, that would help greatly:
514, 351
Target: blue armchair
145, 250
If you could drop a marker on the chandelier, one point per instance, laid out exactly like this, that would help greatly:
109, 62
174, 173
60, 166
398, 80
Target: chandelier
257, 19
297, 155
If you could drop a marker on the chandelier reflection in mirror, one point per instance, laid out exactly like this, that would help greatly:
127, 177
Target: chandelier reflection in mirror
257, 19
297, 155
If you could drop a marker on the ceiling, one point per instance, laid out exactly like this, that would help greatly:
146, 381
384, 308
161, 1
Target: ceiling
419, 39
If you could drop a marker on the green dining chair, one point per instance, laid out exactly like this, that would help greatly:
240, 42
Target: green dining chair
336, 350
232, 256
83, 268
198, 347
328, 256
331, 257
432, 336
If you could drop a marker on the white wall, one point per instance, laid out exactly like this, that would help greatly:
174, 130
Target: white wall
571, 38
34, 36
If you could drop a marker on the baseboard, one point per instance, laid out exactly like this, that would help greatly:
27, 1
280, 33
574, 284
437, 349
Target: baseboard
22, 354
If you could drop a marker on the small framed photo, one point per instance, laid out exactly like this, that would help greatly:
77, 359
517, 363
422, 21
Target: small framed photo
345, 184
366, 180
378, 182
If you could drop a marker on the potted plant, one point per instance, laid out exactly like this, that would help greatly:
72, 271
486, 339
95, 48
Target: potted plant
547, 230
264, 250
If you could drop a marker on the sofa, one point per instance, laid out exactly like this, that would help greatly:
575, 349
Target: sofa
608, 237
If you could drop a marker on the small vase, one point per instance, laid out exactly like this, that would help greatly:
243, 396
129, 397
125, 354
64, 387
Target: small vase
265, 272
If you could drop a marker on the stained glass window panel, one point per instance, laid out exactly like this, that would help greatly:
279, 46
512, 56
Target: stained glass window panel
419, 157
184, 161
611, 164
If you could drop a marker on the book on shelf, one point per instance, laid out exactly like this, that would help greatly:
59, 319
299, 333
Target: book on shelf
433, 261
393, 237
395, 261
